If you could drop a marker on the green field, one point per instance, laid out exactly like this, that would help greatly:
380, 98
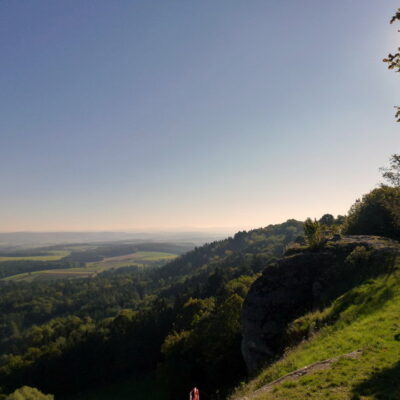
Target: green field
51, 274
53, 255
140, 259
153, 255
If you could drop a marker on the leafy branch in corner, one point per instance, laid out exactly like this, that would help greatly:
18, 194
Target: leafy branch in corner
393, 60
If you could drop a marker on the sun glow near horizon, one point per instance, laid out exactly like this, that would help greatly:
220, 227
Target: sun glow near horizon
134, 116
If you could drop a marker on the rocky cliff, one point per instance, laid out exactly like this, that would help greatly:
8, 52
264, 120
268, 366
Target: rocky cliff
305, 281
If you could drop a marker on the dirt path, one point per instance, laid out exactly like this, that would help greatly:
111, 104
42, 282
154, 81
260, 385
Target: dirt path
318, 366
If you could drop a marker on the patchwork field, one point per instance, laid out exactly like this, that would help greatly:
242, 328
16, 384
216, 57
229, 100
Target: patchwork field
140, 259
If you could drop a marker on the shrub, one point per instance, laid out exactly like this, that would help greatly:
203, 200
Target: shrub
358, 256
313, 233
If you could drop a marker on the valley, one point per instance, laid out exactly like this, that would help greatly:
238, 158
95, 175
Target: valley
201, 200
73, 260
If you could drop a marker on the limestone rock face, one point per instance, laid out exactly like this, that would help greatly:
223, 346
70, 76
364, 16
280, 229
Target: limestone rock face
304, 281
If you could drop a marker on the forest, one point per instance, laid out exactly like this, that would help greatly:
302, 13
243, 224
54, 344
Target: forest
299, 310
177, 325
138, 321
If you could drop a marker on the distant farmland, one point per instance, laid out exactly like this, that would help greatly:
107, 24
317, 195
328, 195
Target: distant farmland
53, 255
52, 274
140, 259
139, 256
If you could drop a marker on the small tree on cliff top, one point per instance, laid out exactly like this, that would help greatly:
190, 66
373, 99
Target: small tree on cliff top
313, 233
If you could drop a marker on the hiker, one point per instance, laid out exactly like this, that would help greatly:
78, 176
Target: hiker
194, 394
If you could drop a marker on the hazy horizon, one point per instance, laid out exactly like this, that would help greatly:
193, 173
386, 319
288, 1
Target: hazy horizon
151, 230
13, 240
120, 116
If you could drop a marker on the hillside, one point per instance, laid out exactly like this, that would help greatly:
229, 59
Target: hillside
178, 324
307, 323
346, 330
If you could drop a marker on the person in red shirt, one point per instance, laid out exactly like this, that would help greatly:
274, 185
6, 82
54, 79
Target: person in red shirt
194, 394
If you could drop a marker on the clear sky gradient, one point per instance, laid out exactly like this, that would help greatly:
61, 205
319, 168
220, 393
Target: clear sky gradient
119, 115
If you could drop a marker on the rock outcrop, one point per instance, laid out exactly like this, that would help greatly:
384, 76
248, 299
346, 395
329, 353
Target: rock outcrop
304, 281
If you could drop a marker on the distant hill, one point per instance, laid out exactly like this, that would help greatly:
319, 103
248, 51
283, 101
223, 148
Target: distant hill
40, 239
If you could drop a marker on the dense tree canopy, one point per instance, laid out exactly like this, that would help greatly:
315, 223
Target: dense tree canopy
378, 213
181, 321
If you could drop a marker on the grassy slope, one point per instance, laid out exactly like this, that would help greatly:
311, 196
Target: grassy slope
367, 318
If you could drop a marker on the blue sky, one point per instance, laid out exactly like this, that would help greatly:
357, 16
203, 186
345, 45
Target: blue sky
118, 115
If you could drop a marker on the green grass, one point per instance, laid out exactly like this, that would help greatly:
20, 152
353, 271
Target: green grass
53, 255
367, 318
